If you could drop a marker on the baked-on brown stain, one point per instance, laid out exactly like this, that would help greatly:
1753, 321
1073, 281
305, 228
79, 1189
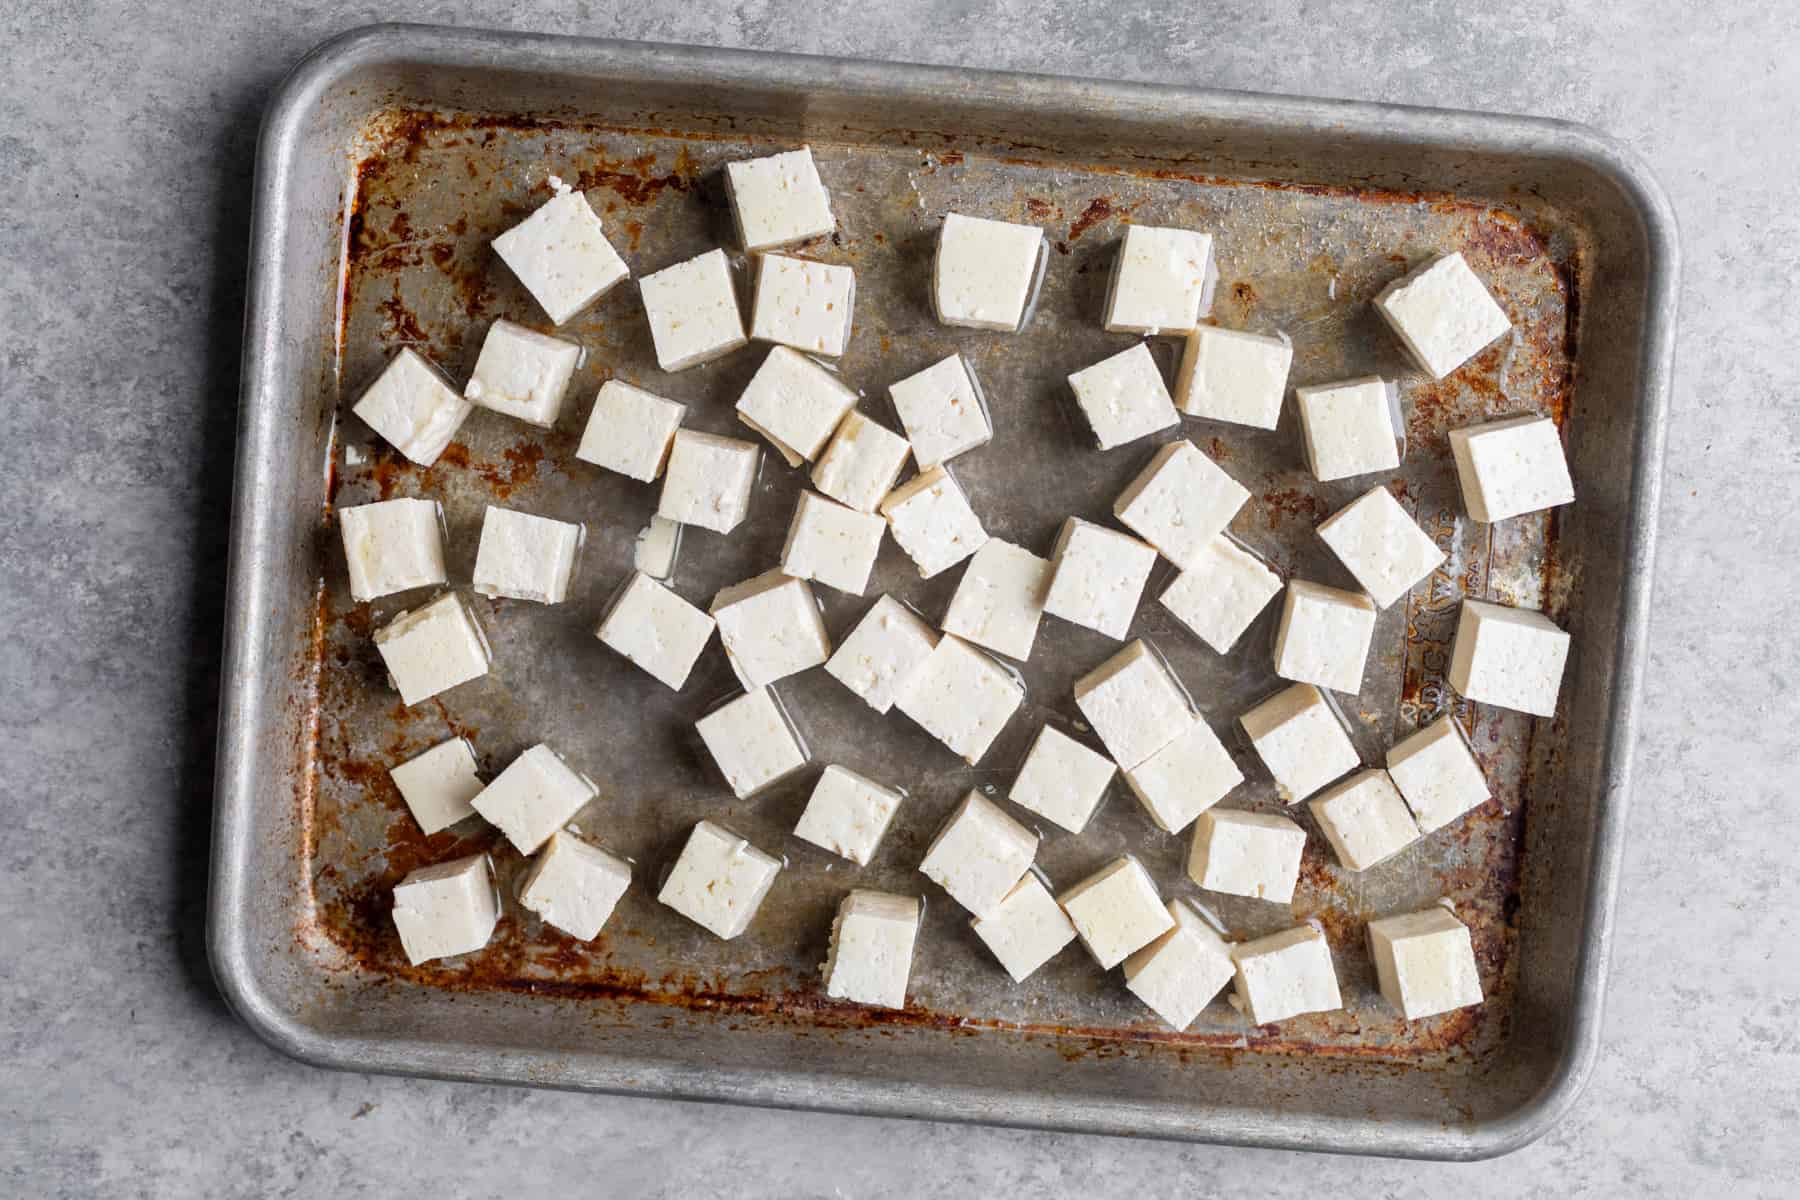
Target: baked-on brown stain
1099, 209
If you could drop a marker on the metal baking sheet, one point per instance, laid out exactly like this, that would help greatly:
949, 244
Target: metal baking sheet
389, 162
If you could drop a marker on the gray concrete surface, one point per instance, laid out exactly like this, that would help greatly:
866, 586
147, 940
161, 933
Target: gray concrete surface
126, 131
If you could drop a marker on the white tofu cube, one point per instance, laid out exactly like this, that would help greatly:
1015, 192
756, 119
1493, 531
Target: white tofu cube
1286, 975
803, 304
1349, 427
432, 648
1123, 397
1222, 590
708, 481
860, 463
1230, 375
1184, 778
693, 311
999, 599
795, 403
832, 544
438, 784
654, 549
1116, 911
1098, 577
1324, 636
1509, 657
392, 546
1443, 314
1511, 467
447, 909
882, 652
1425, 962
413, 407
1364, 819
1301, 740
1437, 774
770, 627
872, 948
942, 411
657, 631
1247, 854
561, 255
522, 373
1134, 703
575, 886
1179, 973
535, 796
1383, 547
961, 697
719, 880
777, 200
630, 431
1062, 780
1162, 281
979, 854
986, 272
750, 738
847, 814
1026, 929
525, 557
1180, 502
931, 520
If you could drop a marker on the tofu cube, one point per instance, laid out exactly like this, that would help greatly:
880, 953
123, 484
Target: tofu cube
1511, 467
1123, 397
961, 697
561, 255
999, 599
1162, 281
1437, 774
1134, 703
522, 373
872, 948
1180, 502
1349, 427
657, 631
1184, 778
447, 909
986, 272
1509, 657
630, 431
575, 886
693, 311
750, 738
1179, 973
719, 880
770, 627
1230, 375
1301, 740
847, 814
708, 481
979, 854
1442, 313
1425, 962
931, 520
1324, 636
1286, 975
1364, 819
777, 200
803, 304
654, 549
795, 403
1026, 929
535, 796
832, 544
525, 557
1247, 854
1223, 589
1062, 780
861, 463
432, 648
942, 411
1098, 577
413, 407
438, 784
882, 652
392, 546
1116, 911
1383, 547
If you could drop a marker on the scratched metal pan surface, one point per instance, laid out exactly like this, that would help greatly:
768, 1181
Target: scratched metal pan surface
390, 160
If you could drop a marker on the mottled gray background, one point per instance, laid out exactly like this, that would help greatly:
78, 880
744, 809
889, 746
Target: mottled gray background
126, 134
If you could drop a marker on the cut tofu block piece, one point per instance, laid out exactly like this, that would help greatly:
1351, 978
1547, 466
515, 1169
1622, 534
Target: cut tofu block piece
522, 373
1301, 740
1123, 397
656, 630
574, 885
795, 403
1437, 774
751, 740
961, 697
1511, 467
872, 948
1026, 929
392, 546
1229, 375
1425, 962
832, 544
561, 255
770, 627
1184, 778
1442, 314
1062, 780
1116, 911
432, 648
1246, 854
860, 463
1509, 657
986, 272
999, 599
1324, 636
525, 557
942, 411
1134, 703
413, 407
447, 909
1162, 281
708, 481
1383, 547
655, 548
803, 304
1349, 427
438, 784
847, 814
1098, 577
1221, 592
882, 652
1180, 502
630, 431
931, 520
535, 796
979, 854
1286, 975
1181, 972
719, 880
1364, 819
693, 311
778, 200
